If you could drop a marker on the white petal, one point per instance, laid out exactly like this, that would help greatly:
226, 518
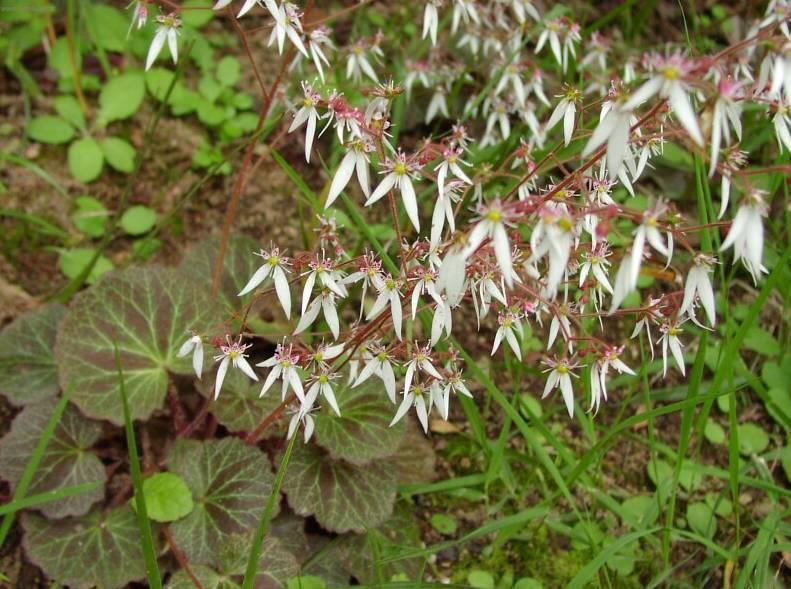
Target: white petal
410, 201
270, 380
245, 367
422, 413
679, 102
402, 408
341, 179
283, 290
396, 311
156, 46
221, 371
309, 316
197, 359
643, 93
256, 279
568, 393
385, 186
330, 396
331, 316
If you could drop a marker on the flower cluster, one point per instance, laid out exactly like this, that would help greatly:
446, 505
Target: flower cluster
567, 239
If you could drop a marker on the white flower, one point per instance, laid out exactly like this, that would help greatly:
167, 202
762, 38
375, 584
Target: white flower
389, 293
551, 34
356, 159
139, 15
325, 302
566, 110
464, 10
275, 266
325, 352
599, 374
491, 224
168, 30
323, 270
286, 25
560, 319
424, 284
420, 362
415, 397
510, 325
437, 105
398, 173
452, 276
613, 128
309, 114
378, 363
357, 63
782, 125
194, 345
651, 313
322, 383
553, 237
451, 158
727, 115
668, 83
284, 365
233, 354
746, 234
699, 283
442, 321
670, 332
248, 4
430, 21
560, 376
301, 415
596, 263
443, 210
456, 385
316, 38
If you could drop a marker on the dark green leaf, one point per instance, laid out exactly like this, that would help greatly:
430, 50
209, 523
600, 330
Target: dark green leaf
444, 523
119, 154
362, 433
66, 462
341, 496
85, 159
101, 549
27, 366
121, 97
167, 497
149, 312
229, 481
49, 129
196, 14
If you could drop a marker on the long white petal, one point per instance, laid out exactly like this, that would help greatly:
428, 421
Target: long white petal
409, 198
156, 46
283, 291
197, 359
256, 279
385, 186
245, 367
403, 408
679, 102
221, 371
396, 311
341, 179
331, 316
643, 93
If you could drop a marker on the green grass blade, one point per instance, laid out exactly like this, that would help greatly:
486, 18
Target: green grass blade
149, 554
41, 498
310, 196
32, 464
266, 517
584, 577
683, 442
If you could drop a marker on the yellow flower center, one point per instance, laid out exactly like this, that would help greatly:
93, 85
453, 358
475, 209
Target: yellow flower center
400, 169
671, 73
562, 369
495, 215
565, 224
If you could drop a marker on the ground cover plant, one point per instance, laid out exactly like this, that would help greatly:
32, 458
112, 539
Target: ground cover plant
488, 294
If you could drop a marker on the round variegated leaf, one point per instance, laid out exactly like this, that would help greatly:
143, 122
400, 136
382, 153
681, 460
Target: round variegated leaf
393, 537
230, 482
239, 264
101, 549
67, 459
415, 458
239, 407
341, 496
275, 567
148, 313
27, 367
362, 433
